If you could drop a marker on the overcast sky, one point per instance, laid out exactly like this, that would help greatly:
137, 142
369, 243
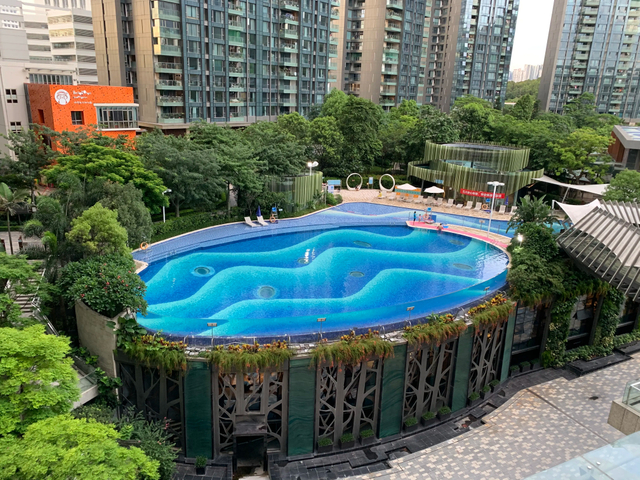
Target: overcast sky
532, 30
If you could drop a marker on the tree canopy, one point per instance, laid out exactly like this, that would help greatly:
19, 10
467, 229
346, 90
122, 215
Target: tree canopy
98, 232
625, 187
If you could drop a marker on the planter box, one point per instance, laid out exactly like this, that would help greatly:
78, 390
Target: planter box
201, 470
444, 417
495, 389
513, 373
525, 369
473, 403
428, 423
368, 440
325, 449
411, 428
484, 395
349, 444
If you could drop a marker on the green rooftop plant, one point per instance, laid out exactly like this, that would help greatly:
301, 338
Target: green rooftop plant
514, 368
437, 330
474, 396
247, 356
346, 438
201, 462
444, 410
411, 421
366, 433
492, 311
486, 388
353, 349
325, 442
428, 415
494, 383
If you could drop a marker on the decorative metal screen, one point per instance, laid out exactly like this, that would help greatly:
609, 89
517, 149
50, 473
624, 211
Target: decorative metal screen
428, 378
486, 355
259, 394
155, 393
348, 399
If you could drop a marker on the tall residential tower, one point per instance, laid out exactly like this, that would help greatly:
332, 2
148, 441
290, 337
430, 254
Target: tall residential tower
593, 47
220, 61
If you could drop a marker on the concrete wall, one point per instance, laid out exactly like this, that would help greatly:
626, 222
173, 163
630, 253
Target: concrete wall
624, 418
97, 337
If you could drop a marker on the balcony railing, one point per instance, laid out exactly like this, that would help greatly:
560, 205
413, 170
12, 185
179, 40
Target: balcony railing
169, 65
169, 83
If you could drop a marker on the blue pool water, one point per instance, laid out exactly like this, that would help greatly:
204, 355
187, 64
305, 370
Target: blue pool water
354, 276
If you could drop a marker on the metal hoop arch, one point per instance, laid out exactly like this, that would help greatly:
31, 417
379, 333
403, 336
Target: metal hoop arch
356, 188
392, 179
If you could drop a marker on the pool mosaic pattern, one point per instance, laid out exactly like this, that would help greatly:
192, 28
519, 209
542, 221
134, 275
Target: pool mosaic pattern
280, 282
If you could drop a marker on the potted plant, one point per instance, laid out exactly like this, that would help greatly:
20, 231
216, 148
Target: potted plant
494, 384
201, 465
514, 370
474, 399
444, 413
525, 366
484, 393
410, 424
367, 437
428, 419
535, 363
325, 445
347, 440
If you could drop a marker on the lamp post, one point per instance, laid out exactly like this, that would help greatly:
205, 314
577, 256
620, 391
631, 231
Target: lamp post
410, 309
164, 218
212, 325
311, 165
495, 185
321, 320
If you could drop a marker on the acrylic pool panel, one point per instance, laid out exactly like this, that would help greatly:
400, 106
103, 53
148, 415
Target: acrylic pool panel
354, 276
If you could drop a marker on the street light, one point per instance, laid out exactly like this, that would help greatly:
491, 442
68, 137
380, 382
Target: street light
520, 238
495, 185
212, 325
410, 309
164, 218
311, 165
321, 320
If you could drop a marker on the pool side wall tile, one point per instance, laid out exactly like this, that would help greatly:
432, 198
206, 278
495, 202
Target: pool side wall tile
302, 413
391, 402
463, 366
197, 408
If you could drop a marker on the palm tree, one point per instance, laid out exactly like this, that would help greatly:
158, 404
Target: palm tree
10, 202
532, 211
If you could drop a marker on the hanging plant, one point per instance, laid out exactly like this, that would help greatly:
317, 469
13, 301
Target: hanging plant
437, 330
154, 350
353, 349
249, 357
492, 312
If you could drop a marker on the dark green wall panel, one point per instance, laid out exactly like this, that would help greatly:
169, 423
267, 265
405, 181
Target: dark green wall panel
302, 394
197, 410
508, 343
392, 392
463, 365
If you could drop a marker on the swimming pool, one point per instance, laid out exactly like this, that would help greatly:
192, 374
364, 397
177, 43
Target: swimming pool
355, 277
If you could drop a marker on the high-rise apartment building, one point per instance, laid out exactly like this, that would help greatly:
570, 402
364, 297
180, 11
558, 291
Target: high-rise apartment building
593, 47
220, 61
470, 48
382, 51
42, 41
529, 72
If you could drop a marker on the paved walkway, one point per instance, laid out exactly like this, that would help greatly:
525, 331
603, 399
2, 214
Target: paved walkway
538, 428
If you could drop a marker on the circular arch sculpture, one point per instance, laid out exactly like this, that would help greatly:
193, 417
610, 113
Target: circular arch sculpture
347, 182
392, 179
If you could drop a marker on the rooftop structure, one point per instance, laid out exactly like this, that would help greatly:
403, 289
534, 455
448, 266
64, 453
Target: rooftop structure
626, 148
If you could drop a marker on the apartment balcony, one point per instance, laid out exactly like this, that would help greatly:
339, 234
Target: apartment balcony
393, 15
393, 27
290, 47
236, 71
333, 52
575, 83
167, 67
581, 56
237, 25
237, 101
592, 3
585, 38
288, 89
397, 4
168, 85
333, 40
165, 13
289, 5
387, 101
389, 37
289, 18
391, 50
235, 8
287, 74
237, 56
389, 71
388, 59
579, 65
167, 32
587, 30
578, 74
388, 92
389, 81
169, 101
332, 77
335, 3
236, 40
333, 65
237, 87
335, 13
170, 50
289, 62
589, 20
292, 102
589, 11
289, 33
333, 27
616, 101
171, 118
626, 50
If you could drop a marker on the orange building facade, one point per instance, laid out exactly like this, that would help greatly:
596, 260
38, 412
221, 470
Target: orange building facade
110, 110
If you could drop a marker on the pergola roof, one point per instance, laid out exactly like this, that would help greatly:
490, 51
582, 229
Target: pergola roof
594, 189
606, 242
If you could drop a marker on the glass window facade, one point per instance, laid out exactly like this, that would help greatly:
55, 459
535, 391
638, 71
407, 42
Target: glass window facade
117, 117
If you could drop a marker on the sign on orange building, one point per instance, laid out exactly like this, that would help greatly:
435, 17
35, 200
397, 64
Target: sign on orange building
111, 110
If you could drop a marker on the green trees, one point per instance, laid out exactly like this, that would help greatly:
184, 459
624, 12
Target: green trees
10, 202
37, 380
520, 89
66, 448
359, 122
625, 187
473, 115
133, 215
532, 211
17, 277
523, 109
580, 153
98, 232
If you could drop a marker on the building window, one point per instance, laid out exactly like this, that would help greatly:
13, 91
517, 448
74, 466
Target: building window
77, 118
12, 95
9, 10
117, 117
16, 126
50, 79
11, 24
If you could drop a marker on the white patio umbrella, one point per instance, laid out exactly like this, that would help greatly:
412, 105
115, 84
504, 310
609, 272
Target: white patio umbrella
406, 186
433, 190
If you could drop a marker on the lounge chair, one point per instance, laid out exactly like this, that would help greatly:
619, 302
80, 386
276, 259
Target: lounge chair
478, 207
502, 210
460, 205
418, 199
249, 222
439, 202
449, 203
261, 221
468, 205
513, 210
429, 201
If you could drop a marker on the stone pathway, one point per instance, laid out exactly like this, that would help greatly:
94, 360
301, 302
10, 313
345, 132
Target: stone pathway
538, 428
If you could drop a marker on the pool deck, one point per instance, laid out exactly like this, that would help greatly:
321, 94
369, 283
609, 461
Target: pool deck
499, 241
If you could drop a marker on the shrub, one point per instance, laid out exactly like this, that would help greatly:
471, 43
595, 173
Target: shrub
474, 396
100, 412
439, 329
155, 350
338, 198
366, 433
201, 462
352, 349
347, 437
411, 421
106, 284
525, 365
494, 383
331, 199
492, 311
190, 223
325, 442
486, 389
514, 368
444, 410
246, 356
428, 415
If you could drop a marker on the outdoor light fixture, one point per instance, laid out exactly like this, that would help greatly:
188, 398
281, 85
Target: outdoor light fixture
164, 218
321, 319
495, 185
410, 309
211, 325
520, 238
311, 165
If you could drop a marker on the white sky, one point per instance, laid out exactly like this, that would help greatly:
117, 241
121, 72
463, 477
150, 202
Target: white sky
532, 30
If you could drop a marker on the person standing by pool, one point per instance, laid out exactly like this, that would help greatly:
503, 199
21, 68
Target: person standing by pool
414, 215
